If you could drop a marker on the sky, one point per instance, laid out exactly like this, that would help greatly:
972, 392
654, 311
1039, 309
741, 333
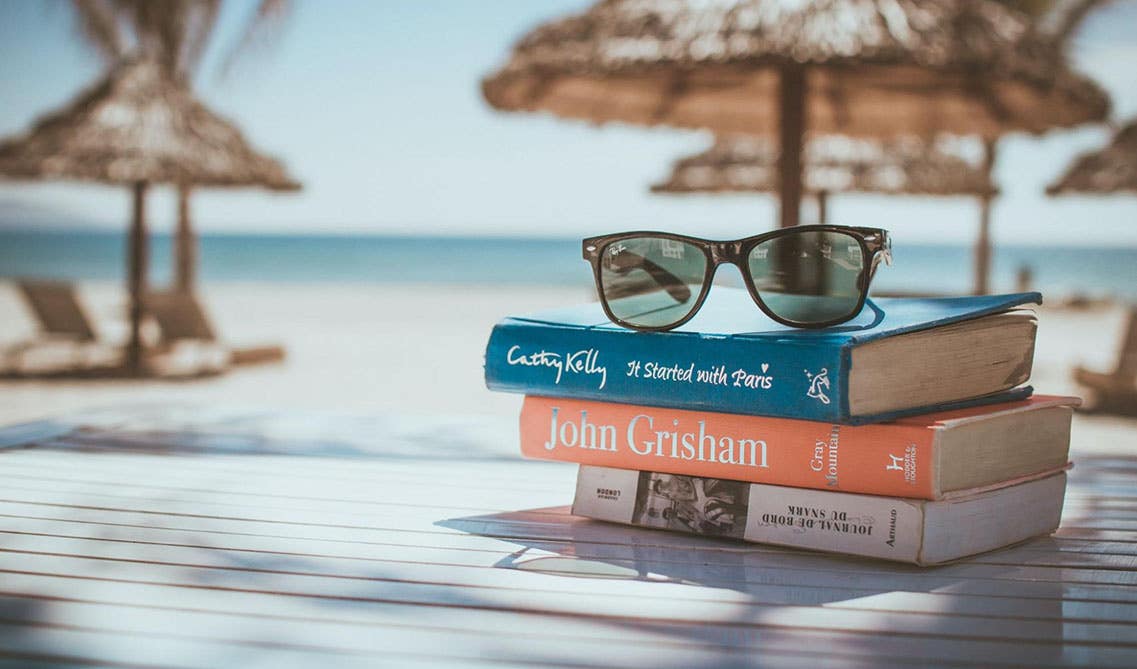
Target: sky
376, 108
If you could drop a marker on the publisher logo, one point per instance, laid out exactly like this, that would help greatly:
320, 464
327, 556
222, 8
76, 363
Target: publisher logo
905, 463
818, 385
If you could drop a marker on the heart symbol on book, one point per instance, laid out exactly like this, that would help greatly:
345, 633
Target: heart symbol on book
765, 366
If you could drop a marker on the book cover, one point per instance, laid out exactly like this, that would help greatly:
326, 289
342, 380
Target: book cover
888, 528
900, 459
730, 357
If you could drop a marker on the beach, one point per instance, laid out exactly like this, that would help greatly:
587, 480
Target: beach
409, 349
366, 348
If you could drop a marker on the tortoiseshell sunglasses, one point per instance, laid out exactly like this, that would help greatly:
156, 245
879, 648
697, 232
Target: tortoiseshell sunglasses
808, 277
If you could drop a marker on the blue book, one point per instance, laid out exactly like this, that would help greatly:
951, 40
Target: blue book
899, 356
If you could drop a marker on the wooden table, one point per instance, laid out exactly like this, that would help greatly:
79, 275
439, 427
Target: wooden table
181, 537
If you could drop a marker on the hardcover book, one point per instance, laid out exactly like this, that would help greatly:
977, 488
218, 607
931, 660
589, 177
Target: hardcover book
890, 528
931, 456
900, 356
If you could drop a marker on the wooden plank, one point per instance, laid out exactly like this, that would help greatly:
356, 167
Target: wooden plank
1111, 536
397, 586
1116, 550
490, 626
108, 542
1046, 552
1101, 554
1102, 518
265, 475
105, 643
411, 495
368, 493
239, 485
239, 472
522, 528
264, 472
480, 573
751, 571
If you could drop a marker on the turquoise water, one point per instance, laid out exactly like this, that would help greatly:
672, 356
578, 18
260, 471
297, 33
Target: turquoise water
491, 260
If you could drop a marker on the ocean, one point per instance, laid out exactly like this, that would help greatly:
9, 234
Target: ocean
1058, 272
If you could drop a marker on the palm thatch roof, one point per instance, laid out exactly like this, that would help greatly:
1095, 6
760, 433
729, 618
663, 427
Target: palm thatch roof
832, 164
140, 125
875, 67
1109, 170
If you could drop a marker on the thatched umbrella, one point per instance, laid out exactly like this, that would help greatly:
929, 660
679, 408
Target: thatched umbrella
875, 68
835, 164
1111, 170
140, 126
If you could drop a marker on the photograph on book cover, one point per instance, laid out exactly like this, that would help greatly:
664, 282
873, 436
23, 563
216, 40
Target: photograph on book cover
713, 507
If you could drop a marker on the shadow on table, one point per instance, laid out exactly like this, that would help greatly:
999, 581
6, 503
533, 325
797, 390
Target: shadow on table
594, 549
23, 642
788, 591
1013, 604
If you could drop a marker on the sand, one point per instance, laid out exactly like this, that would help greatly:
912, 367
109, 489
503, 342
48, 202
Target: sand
378, 348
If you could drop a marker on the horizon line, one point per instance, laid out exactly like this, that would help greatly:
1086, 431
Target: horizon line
482, 236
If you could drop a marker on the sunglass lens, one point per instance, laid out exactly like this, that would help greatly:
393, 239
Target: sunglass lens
651, 282
809, 277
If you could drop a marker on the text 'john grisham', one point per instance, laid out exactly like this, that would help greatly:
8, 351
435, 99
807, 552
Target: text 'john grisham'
643, 436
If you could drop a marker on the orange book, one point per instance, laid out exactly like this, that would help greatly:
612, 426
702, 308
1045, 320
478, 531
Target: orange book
926, 457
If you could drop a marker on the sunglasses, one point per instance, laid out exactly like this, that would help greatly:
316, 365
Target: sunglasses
808, 277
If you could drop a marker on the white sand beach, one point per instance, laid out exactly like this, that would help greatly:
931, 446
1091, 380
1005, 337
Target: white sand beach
416, 349
360, 348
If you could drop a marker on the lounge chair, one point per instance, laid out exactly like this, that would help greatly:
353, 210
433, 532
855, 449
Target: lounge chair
63, 324
181, 320
1116, 391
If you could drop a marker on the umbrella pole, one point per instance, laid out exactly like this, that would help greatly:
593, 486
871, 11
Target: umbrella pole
136, 279
185, 248
822, 207
983, 242
791, 138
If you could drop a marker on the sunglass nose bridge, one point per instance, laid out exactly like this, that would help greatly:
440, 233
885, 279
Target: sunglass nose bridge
726, 252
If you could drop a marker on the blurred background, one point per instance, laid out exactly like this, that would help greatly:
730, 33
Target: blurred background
353, 215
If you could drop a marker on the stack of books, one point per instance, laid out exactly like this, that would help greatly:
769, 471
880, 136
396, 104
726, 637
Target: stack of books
906, 434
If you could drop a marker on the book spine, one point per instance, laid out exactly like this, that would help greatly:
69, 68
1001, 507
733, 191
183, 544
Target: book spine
880, 527
685, 371
889, 459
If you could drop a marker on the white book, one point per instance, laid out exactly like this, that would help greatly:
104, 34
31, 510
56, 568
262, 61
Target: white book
890, 528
